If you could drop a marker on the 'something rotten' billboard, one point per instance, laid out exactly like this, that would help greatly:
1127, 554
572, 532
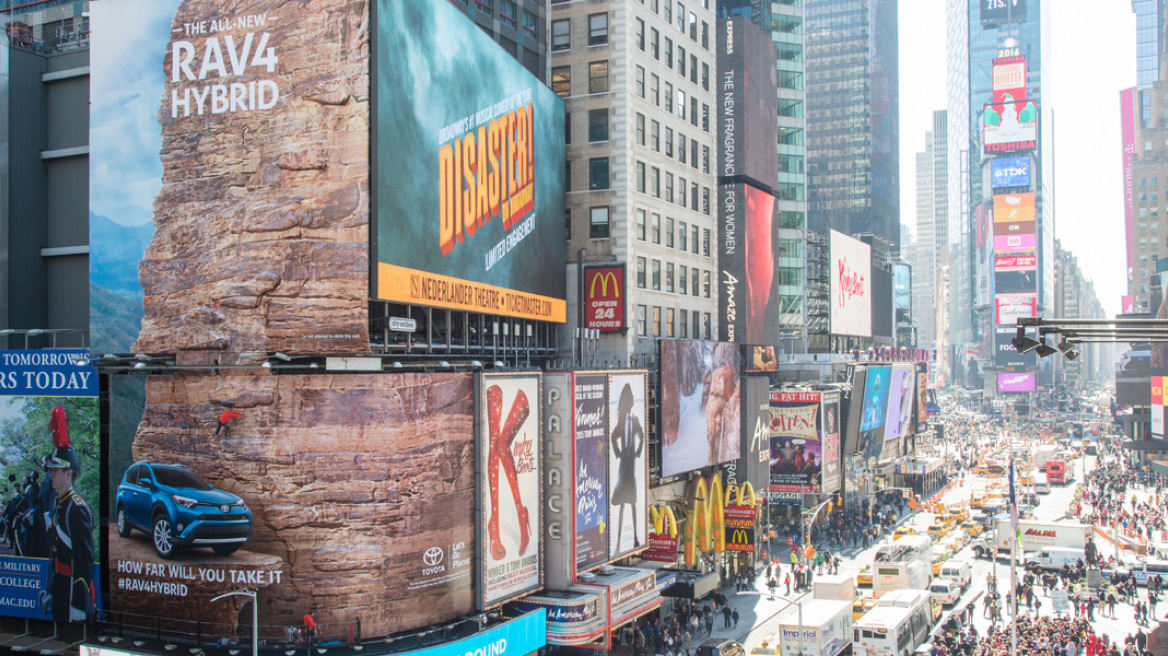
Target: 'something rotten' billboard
700, 414
229, 178
509, 491
850, 273
796, 447
628, 464
48, 408
299, 499
470, 166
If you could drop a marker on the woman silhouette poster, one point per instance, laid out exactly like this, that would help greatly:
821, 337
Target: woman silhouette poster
628, 458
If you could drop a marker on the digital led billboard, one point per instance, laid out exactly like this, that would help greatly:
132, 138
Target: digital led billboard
229, 178
902, 291
628, 464
591, 469
747, 293
851, 286
875, 410
1007, 172
470, 165
747, 92
700, 414
1005, 355
1015, 263
1009, 78
1018, 382
1009, 127
1002, 11
830, 438
604, 298
49, 422
349, 494
1016, 282
1010, 244
1014, 208
1008, 308
898, 420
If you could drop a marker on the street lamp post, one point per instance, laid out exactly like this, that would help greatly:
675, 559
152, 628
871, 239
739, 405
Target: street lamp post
255, 616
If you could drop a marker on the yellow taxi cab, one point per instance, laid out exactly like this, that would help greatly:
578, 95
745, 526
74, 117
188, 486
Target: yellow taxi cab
862, 605
865, 576
938, 530
940, 555
978, 500
903, 531
961, 514
1026, 479
955, 542
990, 471
768, 646
972, 528
936, 610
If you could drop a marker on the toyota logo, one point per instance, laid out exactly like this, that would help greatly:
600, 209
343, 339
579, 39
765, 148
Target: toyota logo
433, 556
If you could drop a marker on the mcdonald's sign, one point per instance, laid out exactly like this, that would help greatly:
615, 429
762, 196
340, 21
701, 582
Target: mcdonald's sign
604, 302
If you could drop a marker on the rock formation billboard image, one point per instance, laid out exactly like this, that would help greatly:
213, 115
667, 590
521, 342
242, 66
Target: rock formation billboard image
470, 166
341, 495
230, 177
700, 399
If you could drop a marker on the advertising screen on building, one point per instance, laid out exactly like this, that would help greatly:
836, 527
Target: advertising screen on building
1009, 75
903, 287
234, 140
761, 358
875, 410
883, 313
700, 420
1017, 382
1007, 172
851, 293
796, 444
1015, 263
747, 89
1005, 355
1127, 118
1009, 127
898, 420
1158, 406
320, 476
49, 423
1008, 308
470, 165
1002, 11
1010, 244
1016, 282
591, 469
753, 464
830, 413
628, 464
921, 406
1012, 228
853, 407
604, 298
1014, 208
509, 495
747, 290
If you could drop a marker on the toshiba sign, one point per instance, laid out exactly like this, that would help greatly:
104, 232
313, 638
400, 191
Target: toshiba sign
604, 305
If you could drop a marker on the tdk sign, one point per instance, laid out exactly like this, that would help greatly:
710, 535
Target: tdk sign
1010, 172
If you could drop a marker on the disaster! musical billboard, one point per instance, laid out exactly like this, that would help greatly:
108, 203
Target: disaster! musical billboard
700, 415
470, 170
229, 178
347, 495
509, 492
50, 482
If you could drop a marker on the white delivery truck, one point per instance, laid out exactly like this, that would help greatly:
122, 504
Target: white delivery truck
825, 629
1035, 536
835, 586
1044, 453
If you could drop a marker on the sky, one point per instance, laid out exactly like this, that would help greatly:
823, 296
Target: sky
1094, 57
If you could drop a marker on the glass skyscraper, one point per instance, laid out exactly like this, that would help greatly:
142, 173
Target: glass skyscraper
853, 117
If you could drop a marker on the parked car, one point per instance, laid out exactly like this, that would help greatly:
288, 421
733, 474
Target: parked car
176, 508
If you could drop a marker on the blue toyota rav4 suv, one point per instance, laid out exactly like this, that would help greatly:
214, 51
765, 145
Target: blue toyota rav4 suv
175, 507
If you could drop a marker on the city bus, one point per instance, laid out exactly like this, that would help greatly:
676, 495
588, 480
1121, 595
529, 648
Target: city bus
899, 623
904, 564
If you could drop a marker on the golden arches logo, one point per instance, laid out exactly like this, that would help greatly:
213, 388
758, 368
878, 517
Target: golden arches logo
716, 509
740, 536
604, 278
745, 493
664, 521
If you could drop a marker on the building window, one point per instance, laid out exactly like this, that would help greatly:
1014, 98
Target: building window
669, 97
656, 321
641, 272
694, 242
668, 52
683, 324
598, 173
669, 322
598, 227
681, 191
597, 29
598, 77
641, 81
669, 277
669, 198
568, 224
640, 129
693, 69
693, 112
680, 18
567, 127
562, 81
530, 24
641, 225
681, 141
681, 61
693, 31
654, 46
681, 104
697, 324
669, 142
641, 35
642, 329
693, 198
706, 242
655, 136
706, 325
655, 182
683, 279
655, 280
705, 117
706, 200
705, 159
562, 34
655, 89
598, 125
668, 221
696, 281
641, 177
655, 227
705, 77
668, 13
693, 153
682, 233
486, 6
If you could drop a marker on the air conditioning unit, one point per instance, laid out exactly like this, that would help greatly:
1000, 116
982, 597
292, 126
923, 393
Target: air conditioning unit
588, 577
607, 570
